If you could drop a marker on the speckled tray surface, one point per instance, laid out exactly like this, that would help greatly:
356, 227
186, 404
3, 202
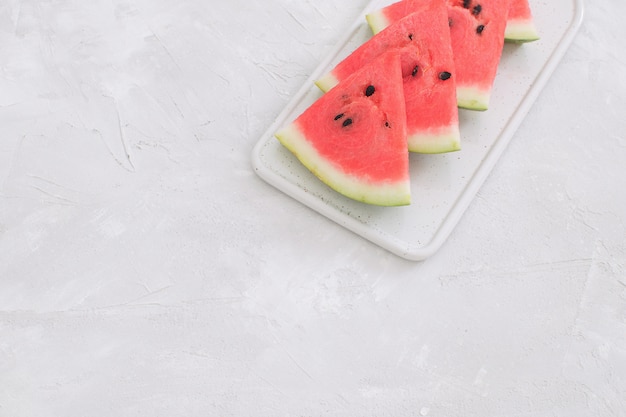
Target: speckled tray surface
442, 186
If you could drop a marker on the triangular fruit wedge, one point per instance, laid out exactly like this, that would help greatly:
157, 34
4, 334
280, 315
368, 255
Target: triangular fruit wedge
423, 41
353, 138
520, 26
477, 37
477, 33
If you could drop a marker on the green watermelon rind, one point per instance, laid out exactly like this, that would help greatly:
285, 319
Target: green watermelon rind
520, 31
381, 194
377, 21
326, 82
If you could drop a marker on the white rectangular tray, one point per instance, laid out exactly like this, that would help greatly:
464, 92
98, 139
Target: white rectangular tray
442, 186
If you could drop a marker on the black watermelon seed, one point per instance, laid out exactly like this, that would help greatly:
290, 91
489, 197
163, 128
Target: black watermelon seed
339, 116
466, 3
444, 75
415, 70
477, 9
450, 23
347, 122
386, 124
410, 36
480, 29
369, 90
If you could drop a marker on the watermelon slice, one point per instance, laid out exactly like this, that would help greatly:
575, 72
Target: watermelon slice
477, 37
520, 26
423, 40
353, 138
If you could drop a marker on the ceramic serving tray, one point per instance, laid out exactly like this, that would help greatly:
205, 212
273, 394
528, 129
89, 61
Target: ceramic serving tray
443, 185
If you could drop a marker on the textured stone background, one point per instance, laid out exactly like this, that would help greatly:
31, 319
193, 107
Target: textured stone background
146, 270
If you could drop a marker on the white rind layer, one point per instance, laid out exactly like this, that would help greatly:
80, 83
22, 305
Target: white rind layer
472, 98
382, 194
447, 139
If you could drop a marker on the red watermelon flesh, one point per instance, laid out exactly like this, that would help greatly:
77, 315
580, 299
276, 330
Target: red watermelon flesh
477, 37
353, 138
520, 26
428, 72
